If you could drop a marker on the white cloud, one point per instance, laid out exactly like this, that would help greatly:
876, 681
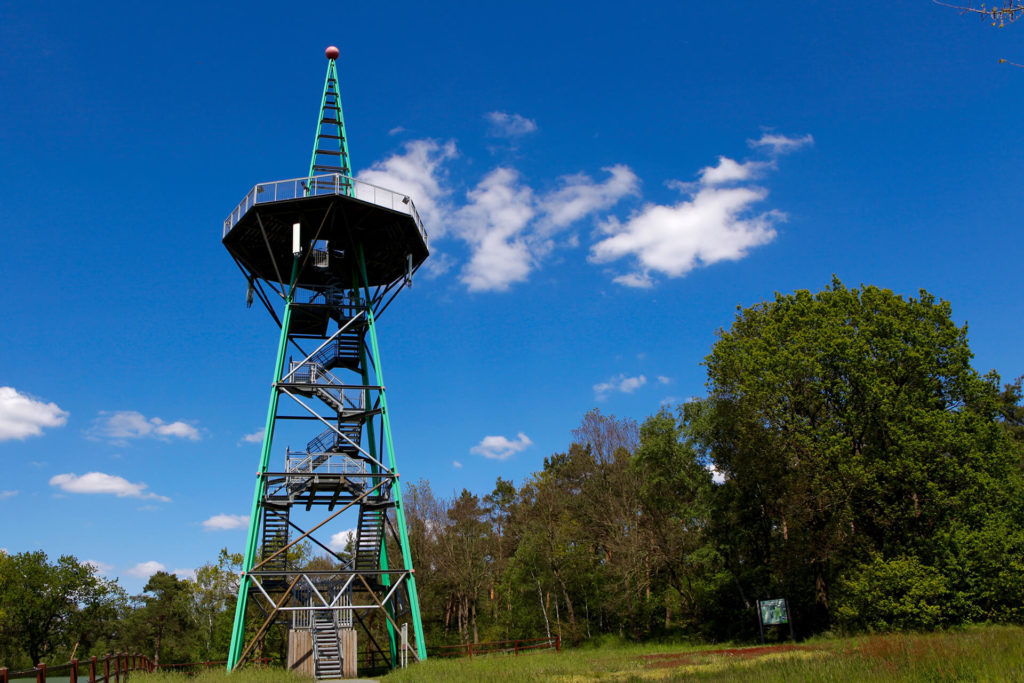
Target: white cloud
225, 522
255, 437
131, 424
715, 221
638, 280
341, 539
500, 447
781, 144
492, 222
621, 382
184, 573
396, 130
178, 429
418, 172
8, 494
730, 171
144, 570
508, 228
662, 379
716, 476
510, 125
579, 196
98, 482
100, 567
22, 416
714, 225
456, 464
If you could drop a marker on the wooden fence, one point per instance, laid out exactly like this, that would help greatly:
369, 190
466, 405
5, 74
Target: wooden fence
499, 646
111, 668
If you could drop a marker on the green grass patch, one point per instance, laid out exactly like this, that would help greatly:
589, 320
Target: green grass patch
219, 675
977, 653
981, 653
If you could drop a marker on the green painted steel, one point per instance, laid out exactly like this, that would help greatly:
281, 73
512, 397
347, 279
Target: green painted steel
396, 491
367, 359
344, 161
238, 630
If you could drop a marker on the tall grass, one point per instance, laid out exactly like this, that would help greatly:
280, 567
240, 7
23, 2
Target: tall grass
979, 653
220, 675
983, 653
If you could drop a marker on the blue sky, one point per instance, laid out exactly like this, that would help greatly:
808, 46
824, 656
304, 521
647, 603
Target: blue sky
603, 186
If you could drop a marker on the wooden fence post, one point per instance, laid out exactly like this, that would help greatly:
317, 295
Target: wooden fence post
106, 668
41, 672
92, 669
516, 645
558, 643
73, 674
3, 674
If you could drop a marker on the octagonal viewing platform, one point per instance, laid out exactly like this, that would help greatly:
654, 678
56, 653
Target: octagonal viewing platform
338, 215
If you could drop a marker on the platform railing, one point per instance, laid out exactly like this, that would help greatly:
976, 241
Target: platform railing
324, 185
322, 463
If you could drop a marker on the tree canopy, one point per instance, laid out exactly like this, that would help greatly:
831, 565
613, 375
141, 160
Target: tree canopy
846, 456
854, 436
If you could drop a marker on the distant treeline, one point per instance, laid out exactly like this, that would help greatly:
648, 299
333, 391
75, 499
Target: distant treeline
868, 474
846, 457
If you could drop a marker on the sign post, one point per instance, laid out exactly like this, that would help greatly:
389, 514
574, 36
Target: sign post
774, 612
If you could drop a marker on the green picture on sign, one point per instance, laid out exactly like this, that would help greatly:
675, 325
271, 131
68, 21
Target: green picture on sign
773, 612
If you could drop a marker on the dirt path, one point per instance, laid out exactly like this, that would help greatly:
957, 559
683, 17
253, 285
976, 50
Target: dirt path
672, 660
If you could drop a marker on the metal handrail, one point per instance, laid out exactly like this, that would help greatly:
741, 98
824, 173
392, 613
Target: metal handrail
324, 185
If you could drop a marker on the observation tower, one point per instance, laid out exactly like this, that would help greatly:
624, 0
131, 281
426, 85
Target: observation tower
326, 254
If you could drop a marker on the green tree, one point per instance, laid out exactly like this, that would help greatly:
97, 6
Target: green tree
674, 498
214, 592
47, 608
163, 623
849, 424
466, 545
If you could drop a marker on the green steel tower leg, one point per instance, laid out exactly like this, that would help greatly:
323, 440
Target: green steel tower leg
238, 630
403, 533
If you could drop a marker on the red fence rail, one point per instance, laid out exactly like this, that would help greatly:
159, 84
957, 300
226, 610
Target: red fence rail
111, 668
502, 646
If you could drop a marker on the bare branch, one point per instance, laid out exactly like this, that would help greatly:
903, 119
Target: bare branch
1009, 12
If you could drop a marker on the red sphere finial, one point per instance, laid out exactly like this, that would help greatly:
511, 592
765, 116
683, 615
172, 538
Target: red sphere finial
332, 52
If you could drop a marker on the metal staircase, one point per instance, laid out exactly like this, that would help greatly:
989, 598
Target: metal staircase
275, 537
327, 655
369, 536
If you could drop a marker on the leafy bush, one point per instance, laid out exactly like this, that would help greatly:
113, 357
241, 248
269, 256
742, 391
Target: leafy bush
893, 595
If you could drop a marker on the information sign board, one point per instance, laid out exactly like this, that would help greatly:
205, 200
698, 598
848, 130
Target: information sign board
774, 612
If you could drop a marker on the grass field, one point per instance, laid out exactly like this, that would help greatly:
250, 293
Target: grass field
979, 653
983, 653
